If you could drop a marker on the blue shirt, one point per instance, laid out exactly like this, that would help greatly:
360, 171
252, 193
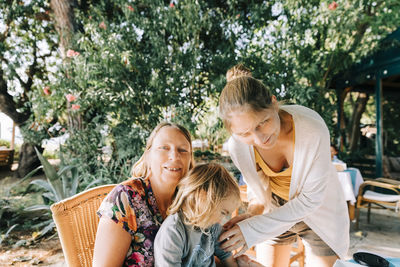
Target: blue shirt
178, 244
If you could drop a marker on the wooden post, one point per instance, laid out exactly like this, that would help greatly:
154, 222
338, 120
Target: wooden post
379, 136
339, 118
12, 137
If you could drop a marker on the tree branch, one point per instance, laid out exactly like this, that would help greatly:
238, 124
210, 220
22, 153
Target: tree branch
8, 106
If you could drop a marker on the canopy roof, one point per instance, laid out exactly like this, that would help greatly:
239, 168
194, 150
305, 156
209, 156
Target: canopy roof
385, 63
373, 75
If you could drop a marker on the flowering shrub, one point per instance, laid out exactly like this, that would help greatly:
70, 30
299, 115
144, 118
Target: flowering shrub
72, 53
70, 98
333, 5
143, 62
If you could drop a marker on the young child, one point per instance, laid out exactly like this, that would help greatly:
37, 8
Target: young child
188, 236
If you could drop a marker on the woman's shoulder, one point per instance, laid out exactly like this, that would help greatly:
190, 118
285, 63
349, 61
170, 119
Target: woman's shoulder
309, 119
302, 111
136, 184
133, 186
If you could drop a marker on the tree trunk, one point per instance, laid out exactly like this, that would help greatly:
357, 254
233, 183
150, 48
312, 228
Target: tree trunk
65, 22
342, 121
9, 107
359, 109
28, 159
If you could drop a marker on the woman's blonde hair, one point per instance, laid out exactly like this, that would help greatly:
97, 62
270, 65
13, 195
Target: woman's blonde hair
141, 167
243, 93
237, 71
200, 193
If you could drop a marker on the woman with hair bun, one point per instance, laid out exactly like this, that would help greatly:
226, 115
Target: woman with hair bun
283, 153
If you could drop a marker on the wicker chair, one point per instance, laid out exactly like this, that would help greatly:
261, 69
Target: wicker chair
76, 222
368, 196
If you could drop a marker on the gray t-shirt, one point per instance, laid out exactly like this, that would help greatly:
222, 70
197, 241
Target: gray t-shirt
177, 244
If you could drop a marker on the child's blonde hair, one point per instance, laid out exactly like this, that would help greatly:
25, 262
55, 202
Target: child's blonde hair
201, 192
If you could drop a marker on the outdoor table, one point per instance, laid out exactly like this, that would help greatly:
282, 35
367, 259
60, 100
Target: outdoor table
356, 179
347, 186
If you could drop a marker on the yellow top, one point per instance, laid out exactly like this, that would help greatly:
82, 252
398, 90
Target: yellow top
278, 181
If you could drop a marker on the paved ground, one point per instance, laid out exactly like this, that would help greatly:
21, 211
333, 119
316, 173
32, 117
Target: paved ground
381, 235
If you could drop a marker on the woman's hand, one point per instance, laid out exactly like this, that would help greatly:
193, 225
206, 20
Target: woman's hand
245, 261
235, 220
233, 239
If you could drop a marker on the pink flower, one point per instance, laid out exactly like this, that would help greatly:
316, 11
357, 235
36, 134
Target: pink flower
102, 25
70, 97
72, 53
131, 8
171, 4
333, 5
75, 107
63, 130
46, 90
137, 257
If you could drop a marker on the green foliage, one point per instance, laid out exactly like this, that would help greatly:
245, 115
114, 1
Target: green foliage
391, 118
134, 64
298, 50
28, 59
7, 233
59, 185
207, 154
4, 143
210, 126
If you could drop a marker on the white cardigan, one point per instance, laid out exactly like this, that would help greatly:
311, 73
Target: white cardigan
315, 195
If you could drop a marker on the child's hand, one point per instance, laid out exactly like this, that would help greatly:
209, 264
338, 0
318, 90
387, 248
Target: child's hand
235, 220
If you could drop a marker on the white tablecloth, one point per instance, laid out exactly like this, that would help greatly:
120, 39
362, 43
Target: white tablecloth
359, 180
345, 181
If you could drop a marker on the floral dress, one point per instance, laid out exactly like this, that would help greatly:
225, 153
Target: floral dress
132, 206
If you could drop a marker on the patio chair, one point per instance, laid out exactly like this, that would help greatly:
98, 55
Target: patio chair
77, 221
383, 193
6, 158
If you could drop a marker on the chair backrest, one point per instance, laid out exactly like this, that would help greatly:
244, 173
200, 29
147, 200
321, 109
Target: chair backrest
6, 157
77, 221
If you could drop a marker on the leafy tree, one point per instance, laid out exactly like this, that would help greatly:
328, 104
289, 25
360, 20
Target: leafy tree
134, 63
127, 64
306, 43
27, 44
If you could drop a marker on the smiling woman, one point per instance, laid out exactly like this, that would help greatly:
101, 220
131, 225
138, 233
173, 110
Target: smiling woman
133, 211
283, 153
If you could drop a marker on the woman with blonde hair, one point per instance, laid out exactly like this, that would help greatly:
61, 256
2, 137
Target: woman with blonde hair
283, 153
133, 211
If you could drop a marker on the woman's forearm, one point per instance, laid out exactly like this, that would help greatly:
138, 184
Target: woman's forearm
255, 208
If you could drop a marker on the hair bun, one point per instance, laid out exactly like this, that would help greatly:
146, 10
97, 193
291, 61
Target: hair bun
237, 71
